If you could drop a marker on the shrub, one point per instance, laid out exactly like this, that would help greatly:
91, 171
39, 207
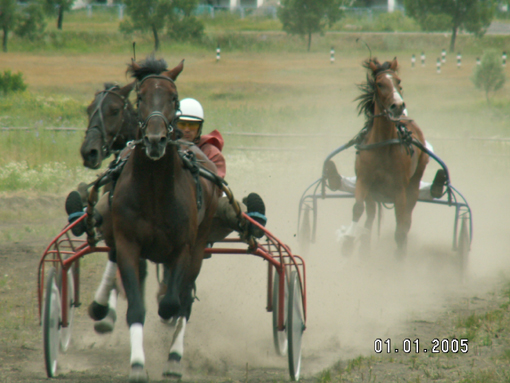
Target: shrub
12, 82
489, 76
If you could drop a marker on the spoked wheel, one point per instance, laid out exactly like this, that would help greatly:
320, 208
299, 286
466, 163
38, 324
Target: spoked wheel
279, 337
305, 231
295, 325
65, 332
463, 246
51, 323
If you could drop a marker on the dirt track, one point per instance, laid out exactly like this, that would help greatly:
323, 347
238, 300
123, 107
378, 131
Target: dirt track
351, 301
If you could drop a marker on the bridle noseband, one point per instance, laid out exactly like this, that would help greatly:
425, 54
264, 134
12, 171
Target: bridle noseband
143, 124
385, 112
106, 148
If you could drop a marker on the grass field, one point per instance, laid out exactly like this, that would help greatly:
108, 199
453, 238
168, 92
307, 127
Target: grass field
244, 92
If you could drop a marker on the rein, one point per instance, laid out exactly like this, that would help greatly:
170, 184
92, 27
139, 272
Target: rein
404, 135
107, 148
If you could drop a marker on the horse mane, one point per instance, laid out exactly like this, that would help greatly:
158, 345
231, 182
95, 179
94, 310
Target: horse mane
366, 103
148, 67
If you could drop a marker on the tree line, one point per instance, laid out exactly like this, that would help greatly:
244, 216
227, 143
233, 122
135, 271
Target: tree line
298, 17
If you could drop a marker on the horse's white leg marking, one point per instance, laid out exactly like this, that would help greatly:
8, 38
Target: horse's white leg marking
107, 283
351, 231
112, 302
177, 346
137, 354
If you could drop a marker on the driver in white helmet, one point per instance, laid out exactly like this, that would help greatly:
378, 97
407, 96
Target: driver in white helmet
190, 122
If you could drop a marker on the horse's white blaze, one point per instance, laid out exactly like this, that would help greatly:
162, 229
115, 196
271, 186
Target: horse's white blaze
107, 283
397, 97
137, 354
177, 346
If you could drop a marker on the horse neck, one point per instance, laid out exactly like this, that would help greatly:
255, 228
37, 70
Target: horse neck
382, 128
156, 177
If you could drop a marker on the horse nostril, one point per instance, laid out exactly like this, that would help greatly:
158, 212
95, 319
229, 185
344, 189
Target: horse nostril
93, 155
146, 140
163, 140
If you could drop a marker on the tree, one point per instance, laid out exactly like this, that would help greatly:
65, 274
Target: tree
489, 76
61, 6
8, 19
474, 16
182, 25
304, 17
147, 15
27, 21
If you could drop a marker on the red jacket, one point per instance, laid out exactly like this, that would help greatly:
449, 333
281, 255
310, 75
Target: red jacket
211, 144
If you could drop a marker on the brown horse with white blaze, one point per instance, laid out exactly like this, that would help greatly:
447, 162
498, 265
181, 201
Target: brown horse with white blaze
388, 166
157, 214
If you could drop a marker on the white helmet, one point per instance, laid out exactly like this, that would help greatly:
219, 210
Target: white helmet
190, 110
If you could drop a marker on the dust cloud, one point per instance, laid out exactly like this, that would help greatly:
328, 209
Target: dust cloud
351, 301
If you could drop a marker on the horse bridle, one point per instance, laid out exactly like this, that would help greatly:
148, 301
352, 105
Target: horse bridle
107, 149
385, 112
143, 124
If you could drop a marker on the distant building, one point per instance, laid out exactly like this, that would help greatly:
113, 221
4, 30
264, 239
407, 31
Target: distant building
235, 3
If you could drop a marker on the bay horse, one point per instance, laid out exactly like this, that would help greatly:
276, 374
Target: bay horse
157, 214
112, 123
388, 166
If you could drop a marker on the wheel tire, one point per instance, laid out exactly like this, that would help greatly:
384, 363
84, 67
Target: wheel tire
279, 337
463, 247
65, 332
305, 232
51, 321
295, 325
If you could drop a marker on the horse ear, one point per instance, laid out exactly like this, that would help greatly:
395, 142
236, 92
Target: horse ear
124, 91
373, 66
134, 65
394, 64
174, 73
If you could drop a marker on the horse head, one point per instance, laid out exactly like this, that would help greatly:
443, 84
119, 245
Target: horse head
108, 129
387, 90
157, 101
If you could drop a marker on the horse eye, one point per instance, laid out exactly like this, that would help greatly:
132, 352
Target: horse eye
115, 111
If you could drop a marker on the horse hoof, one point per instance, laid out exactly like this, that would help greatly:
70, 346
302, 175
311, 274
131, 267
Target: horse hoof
107, 324
138, 374
97, 311
347, 246
168, 308
173, 369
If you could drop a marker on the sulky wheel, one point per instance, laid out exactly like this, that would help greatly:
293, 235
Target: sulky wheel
305, 231
295, 325
65, 332
51, 323
279, 337
463, 246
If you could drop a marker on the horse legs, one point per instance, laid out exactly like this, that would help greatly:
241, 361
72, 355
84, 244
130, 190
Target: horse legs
357, 211
128, 262
98, 309
367, 232
103, 308
403, 217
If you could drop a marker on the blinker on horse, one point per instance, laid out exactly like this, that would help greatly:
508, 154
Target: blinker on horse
112, 123
155, 213
388, 166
